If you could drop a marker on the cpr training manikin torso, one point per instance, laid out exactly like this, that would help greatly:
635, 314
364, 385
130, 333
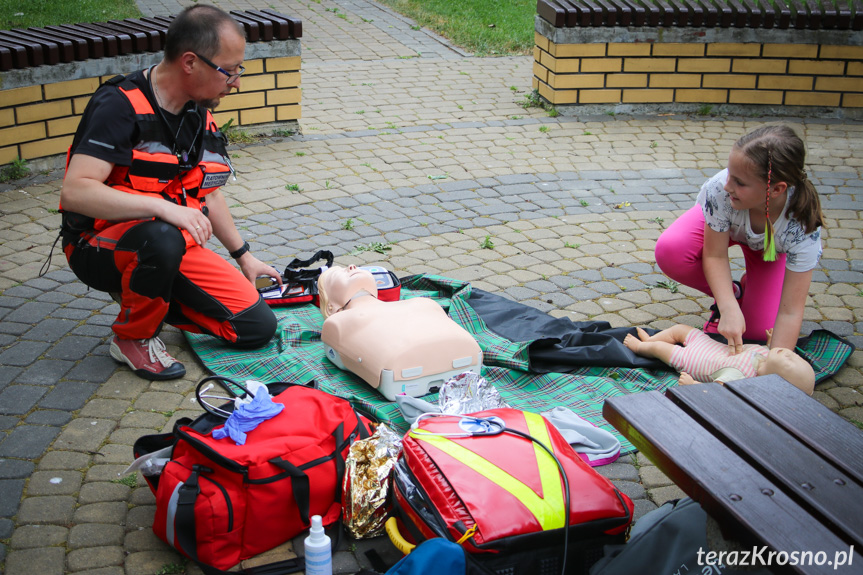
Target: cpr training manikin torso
407, 346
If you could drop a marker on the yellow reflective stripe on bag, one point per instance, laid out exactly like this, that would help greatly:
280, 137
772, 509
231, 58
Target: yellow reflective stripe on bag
547, 510
549, 474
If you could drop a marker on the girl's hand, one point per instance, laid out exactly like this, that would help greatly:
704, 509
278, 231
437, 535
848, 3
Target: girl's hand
732, 324
769, 336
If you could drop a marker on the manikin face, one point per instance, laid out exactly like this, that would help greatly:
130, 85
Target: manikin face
787, 364
211, 85
745, 188
341, 284
782, 360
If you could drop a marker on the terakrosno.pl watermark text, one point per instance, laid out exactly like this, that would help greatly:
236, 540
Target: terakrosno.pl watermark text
764, 557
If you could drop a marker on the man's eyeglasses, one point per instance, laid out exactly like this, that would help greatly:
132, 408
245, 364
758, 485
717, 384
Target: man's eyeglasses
231, 77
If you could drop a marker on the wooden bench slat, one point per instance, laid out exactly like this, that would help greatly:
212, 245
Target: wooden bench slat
755, 14
96, 44
17, 54
62, 48
638, 13
595, 11
815, 14
652, 12
264, 25
137, 40
711, 14
624, 12
281, 26
5, 59
725, 13
113, 44
80, 47
551, 12
843, 15
784, 16
829, 16
577, 13
744, 502
816, 484
683, 12
151, 40
252, 28
857, 19
739, 14
36, 56
835, 439
123, 42
296, 25
799, 14
768, 11
609, 13
144, 24
667, 16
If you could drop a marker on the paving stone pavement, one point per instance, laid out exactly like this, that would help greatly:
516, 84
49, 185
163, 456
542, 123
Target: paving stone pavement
413, 147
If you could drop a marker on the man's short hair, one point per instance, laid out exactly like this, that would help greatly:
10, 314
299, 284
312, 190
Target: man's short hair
197, 29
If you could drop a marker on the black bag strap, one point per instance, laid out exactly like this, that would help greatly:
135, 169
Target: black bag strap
187, 536
339, 435
298, 272
300, 486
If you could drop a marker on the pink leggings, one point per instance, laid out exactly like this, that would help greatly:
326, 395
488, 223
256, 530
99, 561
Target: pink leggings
679, 255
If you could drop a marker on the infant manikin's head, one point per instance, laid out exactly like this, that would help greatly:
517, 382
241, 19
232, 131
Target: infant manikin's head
790, 366
337, 285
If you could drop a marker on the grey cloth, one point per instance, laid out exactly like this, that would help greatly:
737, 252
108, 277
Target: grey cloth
596, 445
413, 407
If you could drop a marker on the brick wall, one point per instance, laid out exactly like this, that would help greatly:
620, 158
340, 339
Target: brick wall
689, 66
40, 109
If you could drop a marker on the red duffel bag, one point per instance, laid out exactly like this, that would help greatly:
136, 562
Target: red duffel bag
220, 503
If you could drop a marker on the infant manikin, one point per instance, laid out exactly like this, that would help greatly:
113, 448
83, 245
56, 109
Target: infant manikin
402, 347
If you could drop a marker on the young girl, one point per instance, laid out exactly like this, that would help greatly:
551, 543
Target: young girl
764, 203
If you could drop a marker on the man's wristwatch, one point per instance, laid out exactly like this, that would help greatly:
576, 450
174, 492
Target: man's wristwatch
241, 251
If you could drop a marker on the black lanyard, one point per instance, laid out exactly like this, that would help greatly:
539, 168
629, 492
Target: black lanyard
182, 154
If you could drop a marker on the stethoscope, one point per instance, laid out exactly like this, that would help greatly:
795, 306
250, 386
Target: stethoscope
208, 384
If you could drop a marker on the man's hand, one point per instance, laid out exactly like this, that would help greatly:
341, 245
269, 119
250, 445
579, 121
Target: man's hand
190, 219
254, 268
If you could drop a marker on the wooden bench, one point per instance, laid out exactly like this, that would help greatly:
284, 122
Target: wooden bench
828, 15
773, 466
21, 48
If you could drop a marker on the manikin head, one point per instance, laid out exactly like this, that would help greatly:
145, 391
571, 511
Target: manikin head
337, 285
790, 366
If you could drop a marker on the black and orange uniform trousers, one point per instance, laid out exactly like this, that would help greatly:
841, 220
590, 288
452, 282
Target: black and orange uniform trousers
160, 278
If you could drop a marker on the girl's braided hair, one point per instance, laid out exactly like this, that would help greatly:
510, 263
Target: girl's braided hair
777, 151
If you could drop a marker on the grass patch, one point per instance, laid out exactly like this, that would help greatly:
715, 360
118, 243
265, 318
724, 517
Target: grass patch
41, 13
485, 27
127, 480
15, 171
670, 285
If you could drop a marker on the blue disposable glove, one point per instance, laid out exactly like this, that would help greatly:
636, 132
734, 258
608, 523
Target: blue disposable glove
248, 416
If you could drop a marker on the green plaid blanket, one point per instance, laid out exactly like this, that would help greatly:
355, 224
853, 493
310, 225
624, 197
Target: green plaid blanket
296, 354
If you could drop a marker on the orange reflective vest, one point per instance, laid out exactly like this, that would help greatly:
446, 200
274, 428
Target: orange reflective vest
155, 168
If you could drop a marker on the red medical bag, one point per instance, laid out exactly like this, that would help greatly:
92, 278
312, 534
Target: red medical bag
486, 481
220, 503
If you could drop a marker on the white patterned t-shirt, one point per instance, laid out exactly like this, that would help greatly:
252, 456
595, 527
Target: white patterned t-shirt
803, 250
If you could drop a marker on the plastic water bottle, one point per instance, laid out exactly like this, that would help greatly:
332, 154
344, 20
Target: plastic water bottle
319, 556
